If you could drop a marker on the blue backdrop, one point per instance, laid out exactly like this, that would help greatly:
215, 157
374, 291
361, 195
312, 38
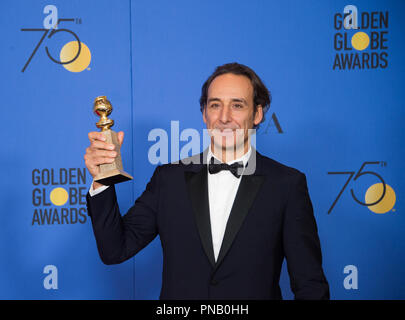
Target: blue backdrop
336, 73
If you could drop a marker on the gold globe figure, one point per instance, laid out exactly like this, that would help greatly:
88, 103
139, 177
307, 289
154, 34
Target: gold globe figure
110, 173
102, 107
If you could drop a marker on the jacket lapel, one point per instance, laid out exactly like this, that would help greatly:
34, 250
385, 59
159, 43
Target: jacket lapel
248, 188
197, 183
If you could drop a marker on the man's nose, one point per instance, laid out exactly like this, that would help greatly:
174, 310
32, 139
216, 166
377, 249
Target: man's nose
225, 115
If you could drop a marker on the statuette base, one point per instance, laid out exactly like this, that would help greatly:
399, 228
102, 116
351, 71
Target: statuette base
112, 173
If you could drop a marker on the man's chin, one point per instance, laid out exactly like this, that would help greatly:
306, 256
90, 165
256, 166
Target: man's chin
228, 146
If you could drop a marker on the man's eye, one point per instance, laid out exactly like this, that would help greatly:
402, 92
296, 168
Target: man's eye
237, 106
214, 105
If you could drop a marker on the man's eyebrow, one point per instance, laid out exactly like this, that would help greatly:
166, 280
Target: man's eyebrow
213, 99
239, 100
233, 99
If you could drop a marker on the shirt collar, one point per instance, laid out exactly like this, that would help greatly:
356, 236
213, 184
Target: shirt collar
243, 158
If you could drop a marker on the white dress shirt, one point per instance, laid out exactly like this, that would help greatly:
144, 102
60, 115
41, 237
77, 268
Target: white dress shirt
222, 188
93, 192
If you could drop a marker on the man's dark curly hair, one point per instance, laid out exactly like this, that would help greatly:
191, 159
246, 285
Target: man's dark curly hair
261, 95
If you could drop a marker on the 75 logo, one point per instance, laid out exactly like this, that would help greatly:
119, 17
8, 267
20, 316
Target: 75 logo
51, 23
382, 187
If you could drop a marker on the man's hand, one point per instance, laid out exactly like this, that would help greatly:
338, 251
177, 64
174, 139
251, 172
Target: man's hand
100, 152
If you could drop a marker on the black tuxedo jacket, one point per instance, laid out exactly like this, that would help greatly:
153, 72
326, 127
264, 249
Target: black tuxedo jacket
271, 219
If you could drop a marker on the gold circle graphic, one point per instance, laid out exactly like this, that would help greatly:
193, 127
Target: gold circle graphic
59, 196
360, 41
69, 51
374, 192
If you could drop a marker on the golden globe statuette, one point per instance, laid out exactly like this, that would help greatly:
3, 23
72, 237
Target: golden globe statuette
110, 173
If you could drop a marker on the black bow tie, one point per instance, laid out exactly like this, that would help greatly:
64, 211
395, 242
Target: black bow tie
217, 167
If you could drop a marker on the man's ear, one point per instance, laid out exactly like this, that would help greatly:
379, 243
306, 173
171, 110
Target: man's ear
204, 118
258, 116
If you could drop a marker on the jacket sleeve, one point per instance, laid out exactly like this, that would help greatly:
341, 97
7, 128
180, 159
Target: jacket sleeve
119, 237
301, 244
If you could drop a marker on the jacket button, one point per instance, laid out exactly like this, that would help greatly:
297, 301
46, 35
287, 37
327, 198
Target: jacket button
214, 282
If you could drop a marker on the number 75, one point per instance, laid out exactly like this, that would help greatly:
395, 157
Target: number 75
46, 48
358, 175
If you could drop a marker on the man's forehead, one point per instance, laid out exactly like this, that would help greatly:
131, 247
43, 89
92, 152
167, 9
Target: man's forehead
230, 85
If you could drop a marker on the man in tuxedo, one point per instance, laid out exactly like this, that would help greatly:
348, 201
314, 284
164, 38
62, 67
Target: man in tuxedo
227, 217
